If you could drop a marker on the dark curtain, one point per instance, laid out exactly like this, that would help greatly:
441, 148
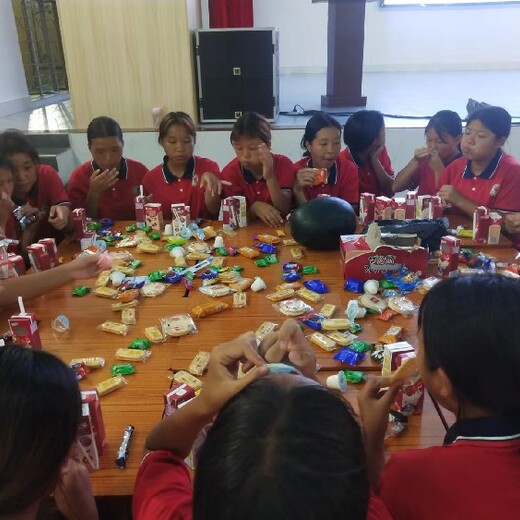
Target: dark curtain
230, 13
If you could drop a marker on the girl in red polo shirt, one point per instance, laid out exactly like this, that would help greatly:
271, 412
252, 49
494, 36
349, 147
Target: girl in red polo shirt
264, 178
107, 185
485, 175
183, 177
469, 361
443, 133
364, 135
322, 142
281, 446
37, 188
7, 222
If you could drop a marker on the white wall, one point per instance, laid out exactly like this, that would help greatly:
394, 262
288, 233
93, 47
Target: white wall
400, 38
14, 96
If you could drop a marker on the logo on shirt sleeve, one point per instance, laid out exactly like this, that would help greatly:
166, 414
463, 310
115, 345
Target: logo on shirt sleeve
493, 192
195, 180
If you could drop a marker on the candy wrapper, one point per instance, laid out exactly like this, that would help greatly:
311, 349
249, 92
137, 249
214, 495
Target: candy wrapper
123, 451
91, 362
293, 307
122, 370
178, 325
140, 344
312, 320
349, 357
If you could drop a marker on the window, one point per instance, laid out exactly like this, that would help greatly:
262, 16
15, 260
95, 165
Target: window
445, 3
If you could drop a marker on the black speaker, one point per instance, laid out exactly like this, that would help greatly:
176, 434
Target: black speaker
237, 72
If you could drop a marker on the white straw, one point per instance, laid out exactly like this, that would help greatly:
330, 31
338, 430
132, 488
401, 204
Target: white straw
21, 305
141, 190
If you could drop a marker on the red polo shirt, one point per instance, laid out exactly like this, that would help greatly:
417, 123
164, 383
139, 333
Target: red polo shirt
342, 180
116, 203
244, 183
424, 179
167, 189
47, 191
368, 182
163, 490
498, 187
474, 475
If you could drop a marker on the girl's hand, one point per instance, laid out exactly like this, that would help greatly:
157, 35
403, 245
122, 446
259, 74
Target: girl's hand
84, 266
102, 181
59, 216
374, 407
6, 207
266, 160
221, 382
267, 213
450, 195
296, 349
435, 162
374, 154
305, 177
31, 211
73, 494
512, 222
422, 153
209, 182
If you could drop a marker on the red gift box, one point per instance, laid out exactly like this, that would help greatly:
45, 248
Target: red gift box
91, 399
399, 206
409, 399
153, 215
366, 208
435, 209
449, 257
411, 202
361, 262
383, 208
177, 396
423, 207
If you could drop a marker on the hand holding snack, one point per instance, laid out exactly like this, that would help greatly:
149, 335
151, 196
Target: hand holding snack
420, 154
84, 266
101, 181
266, 159
211, 183
305, 178
59, 216
222, 381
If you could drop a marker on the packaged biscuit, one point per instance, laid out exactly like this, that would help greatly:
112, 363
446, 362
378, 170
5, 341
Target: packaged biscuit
128, 316
264, 329
280, 295
309, 295
154, 334
327, 310
206, 309
185, 377
323, 341
105, 292
91, 362
114, 328
239, 300
109, 385
133, 354
178, 325
199, 364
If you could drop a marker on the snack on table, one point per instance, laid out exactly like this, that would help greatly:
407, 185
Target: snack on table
372, 302
309, 295
153, 289
392, 335
128, 316
119, 306
206, 309
296, 253
129, 354
146, 247
242, 284
323, 341
109, 385
185, 377
216, 291
288, 285
289, 242
128, 296
268, 239
199, 363
280, 295
102, 278
342, 338
105, 292
402, 305
327, 310
154, 334
91, 362
239, 300
196, 255
114, 328
335, 324
293, 307
248, 252
406, 371
178, 325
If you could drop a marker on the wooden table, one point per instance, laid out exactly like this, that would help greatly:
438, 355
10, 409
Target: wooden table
140, 403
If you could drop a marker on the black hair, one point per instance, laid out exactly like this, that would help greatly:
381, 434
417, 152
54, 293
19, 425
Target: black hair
40, 406
279, 451
316, 123
103, 126
495, 119
251, 124
445, 122
177, 118
6, 164
13, 141
471, 330
362, 129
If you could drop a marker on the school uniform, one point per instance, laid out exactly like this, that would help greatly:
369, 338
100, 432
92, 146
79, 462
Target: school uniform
497, 187
117, 202
342, 180
168, 189
475, 474
47, 191
244, 183
368, 182
163, 490
424, 178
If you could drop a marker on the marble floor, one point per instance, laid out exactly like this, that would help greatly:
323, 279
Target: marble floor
404, 97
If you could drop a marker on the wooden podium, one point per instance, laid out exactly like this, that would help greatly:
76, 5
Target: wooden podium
345, 39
